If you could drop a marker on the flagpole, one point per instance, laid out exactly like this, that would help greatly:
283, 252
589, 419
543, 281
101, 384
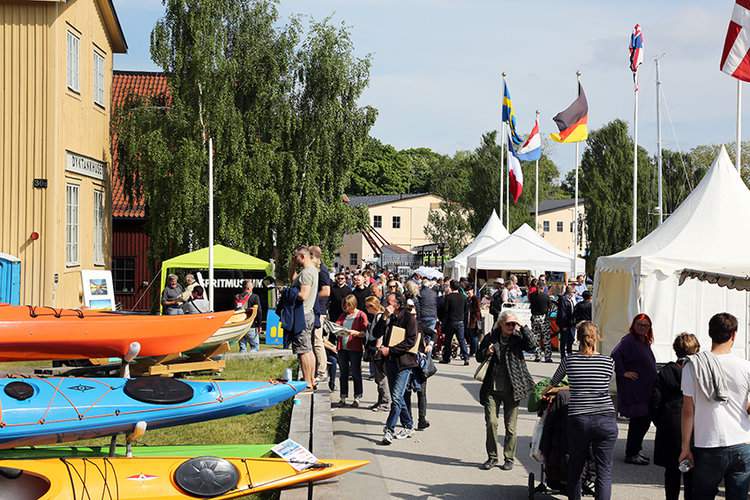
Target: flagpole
635, 162
658, 141
536, 187
507, 190
738, 157
575, 213
502, 151
211, 223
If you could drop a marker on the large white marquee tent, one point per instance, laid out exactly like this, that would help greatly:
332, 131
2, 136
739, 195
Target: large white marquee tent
524, 250
492, 233
709, 232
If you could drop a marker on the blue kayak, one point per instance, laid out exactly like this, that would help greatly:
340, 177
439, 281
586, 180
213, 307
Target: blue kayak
36, 411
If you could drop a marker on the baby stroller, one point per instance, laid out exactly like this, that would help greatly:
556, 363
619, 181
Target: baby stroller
552, 451
437, 351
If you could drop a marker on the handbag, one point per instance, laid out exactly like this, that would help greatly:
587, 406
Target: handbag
536, 440
482, 370
427, 365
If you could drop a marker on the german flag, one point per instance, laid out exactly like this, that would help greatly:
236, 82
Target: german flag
573, 121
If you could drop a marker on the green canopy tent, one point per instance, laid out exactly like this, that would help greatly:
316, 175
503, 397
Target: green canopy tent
224, 258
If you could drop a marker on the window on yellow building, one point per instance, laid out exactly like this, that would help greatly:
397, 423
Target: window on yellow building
396, 222
71, 224
545, 226
98, 79
560, 226
73, 44
377, 221
98, 227
353, 259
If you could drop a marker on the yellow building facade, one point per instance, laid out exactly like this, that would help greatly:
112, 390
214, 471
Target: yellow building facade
55, 193
556, 219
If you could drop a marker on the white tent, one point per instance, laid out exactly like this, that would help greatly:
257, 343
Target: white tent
709, 232
492, 232
527, 232
522, 252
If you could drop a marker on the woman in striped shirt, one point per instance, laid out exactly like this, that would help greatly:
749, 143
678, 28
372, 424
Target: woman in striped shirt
591, 414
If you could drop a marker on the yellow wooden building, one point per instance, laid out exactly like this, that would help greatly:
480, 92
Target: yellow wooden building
55, 201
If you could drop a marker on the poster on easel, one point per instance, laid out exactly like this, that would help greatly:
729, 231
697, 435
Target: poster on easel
98, 292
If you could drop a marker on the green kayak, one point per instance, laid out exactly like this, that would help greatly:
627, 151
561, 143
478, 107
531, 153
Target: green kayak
215, 450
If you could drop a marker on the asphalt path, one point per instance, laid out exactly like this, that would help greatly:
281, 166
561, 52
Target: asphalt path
443, 461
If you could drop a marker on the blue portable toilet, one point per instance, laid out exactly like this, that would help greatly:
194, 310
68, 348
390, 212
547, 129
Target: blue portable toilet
10, 279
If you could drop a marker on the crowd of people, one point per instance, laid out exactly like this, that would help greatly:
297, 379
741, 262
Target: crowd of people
339, 323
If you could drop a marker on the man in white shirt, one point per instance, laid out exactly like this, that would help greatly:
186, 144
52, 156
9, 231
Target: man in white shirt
715, 389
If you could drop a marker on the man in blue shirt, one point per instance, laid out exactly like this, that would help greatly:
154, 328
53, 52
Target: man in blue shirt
580, 287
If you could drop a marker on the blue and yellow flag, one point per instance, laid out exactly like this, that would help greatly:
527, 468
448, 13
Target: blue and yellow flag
509, 116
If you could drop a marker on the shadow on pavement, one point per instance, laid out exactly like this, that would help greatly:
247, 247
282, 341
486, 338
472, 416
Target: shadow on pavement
468, 491
418, 457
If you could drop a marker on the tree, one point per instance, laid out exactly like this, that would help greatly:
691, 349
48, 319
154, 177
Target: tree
281, 108
605, 181
449, 225
382, 170
422, 164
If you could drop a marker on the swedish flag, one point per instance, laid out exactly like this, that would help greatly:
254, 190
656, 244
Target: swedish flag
509, 116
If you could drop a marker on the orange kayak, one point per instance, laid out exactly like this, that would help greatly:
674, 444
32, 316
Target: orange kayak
44, 333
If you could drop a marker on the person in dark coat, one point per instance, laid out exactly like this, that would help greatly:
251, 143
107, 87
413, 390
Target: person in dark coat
666, 410
635, 367
507, 382
582, 311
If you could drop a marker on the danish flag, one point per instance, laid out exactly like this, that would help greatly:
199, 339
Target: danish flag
735, 60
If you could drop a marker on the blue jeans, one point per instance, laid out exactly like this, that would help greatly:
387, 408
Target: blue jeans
398, 381
430, 324
457, 329
599, 432
730, 463
251, 337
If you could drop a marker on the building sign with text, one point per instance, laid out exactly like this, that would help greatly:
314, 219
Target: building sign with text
85, 166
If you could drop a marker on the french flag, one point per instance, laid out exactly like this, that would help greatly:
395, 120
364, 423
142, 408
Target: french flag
515, 177
531, 149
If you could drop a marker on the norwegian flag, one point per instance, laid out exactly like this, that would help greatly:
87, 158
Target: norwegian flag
734, 58
636, 51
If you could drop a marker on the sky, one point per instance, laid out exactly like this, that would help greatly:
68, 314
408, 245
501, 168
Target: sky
437, 64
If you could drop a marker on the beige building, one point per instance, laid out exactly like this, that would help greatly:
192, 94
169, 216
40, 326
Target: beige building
397, 225
55, 142
556, 224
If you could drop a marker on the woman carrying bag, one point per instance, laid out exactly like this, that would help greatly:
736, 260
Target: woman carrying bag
506, 380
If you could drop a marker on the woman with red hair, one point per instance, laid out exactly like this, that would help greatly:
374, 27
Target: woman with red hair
635, 368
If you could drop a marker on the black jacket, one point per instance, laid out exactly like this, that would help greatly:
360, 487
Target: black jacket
565, 314
428, 303
666, 412
518, 372
334, 304
582, 311
399, 352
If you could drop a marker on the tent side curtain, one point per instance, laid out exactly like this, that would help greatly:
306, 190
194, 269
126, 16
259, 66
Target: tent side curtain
732, 282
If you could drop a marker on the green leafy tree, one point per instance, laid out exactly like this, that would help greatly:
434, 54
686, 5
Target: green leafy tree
422, 164
449, 225
605, 182
281, 107
382, 170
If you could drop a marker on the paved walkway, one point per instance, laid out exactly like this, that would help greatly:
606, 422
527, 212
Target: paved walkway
443, 461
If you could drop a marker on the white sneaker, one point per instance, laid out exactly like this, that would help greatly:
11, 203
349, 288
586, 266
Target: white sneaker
342, 402
387, 437
404, 433
355, 403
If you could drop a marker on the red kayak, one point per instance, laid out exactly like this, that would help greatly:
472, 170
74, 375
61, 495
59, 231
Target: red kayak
44, 333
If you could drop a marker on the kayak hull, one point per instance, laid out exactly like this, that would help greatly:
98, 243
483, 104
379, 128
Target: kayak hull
48, 334
147, 478
63, 409
186, 451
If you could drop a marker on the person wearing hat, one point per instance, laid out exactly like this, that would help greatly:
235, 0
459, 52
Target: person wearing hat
507, 382
582, 310
498, 298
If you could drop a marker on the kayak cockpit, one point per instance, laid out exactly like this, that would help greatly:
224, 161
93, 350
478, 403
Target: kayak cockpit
16, 484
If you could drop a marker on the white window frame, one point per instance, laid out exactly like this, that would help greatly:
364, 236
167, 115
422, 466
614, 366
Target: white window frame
377, 221
396, 222
74, 46
72, 229
98, 78
98, 227
545, 226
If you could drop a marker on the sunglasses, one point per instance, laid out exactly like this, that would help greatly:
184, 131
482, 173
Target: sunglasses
511, 323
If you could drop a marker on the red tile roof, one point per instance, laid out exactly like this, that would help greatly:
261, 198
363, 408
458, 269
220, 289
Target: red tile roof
125, 83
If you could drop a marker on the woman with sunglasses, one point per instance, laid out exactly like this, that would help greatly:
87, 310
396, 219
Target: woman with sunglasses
507, 382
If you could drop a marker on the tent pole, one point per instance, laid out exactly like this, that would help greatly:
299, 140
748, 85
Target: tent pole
211, 223
575, 208
658, 142
635, 162
536, 190
738, 156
